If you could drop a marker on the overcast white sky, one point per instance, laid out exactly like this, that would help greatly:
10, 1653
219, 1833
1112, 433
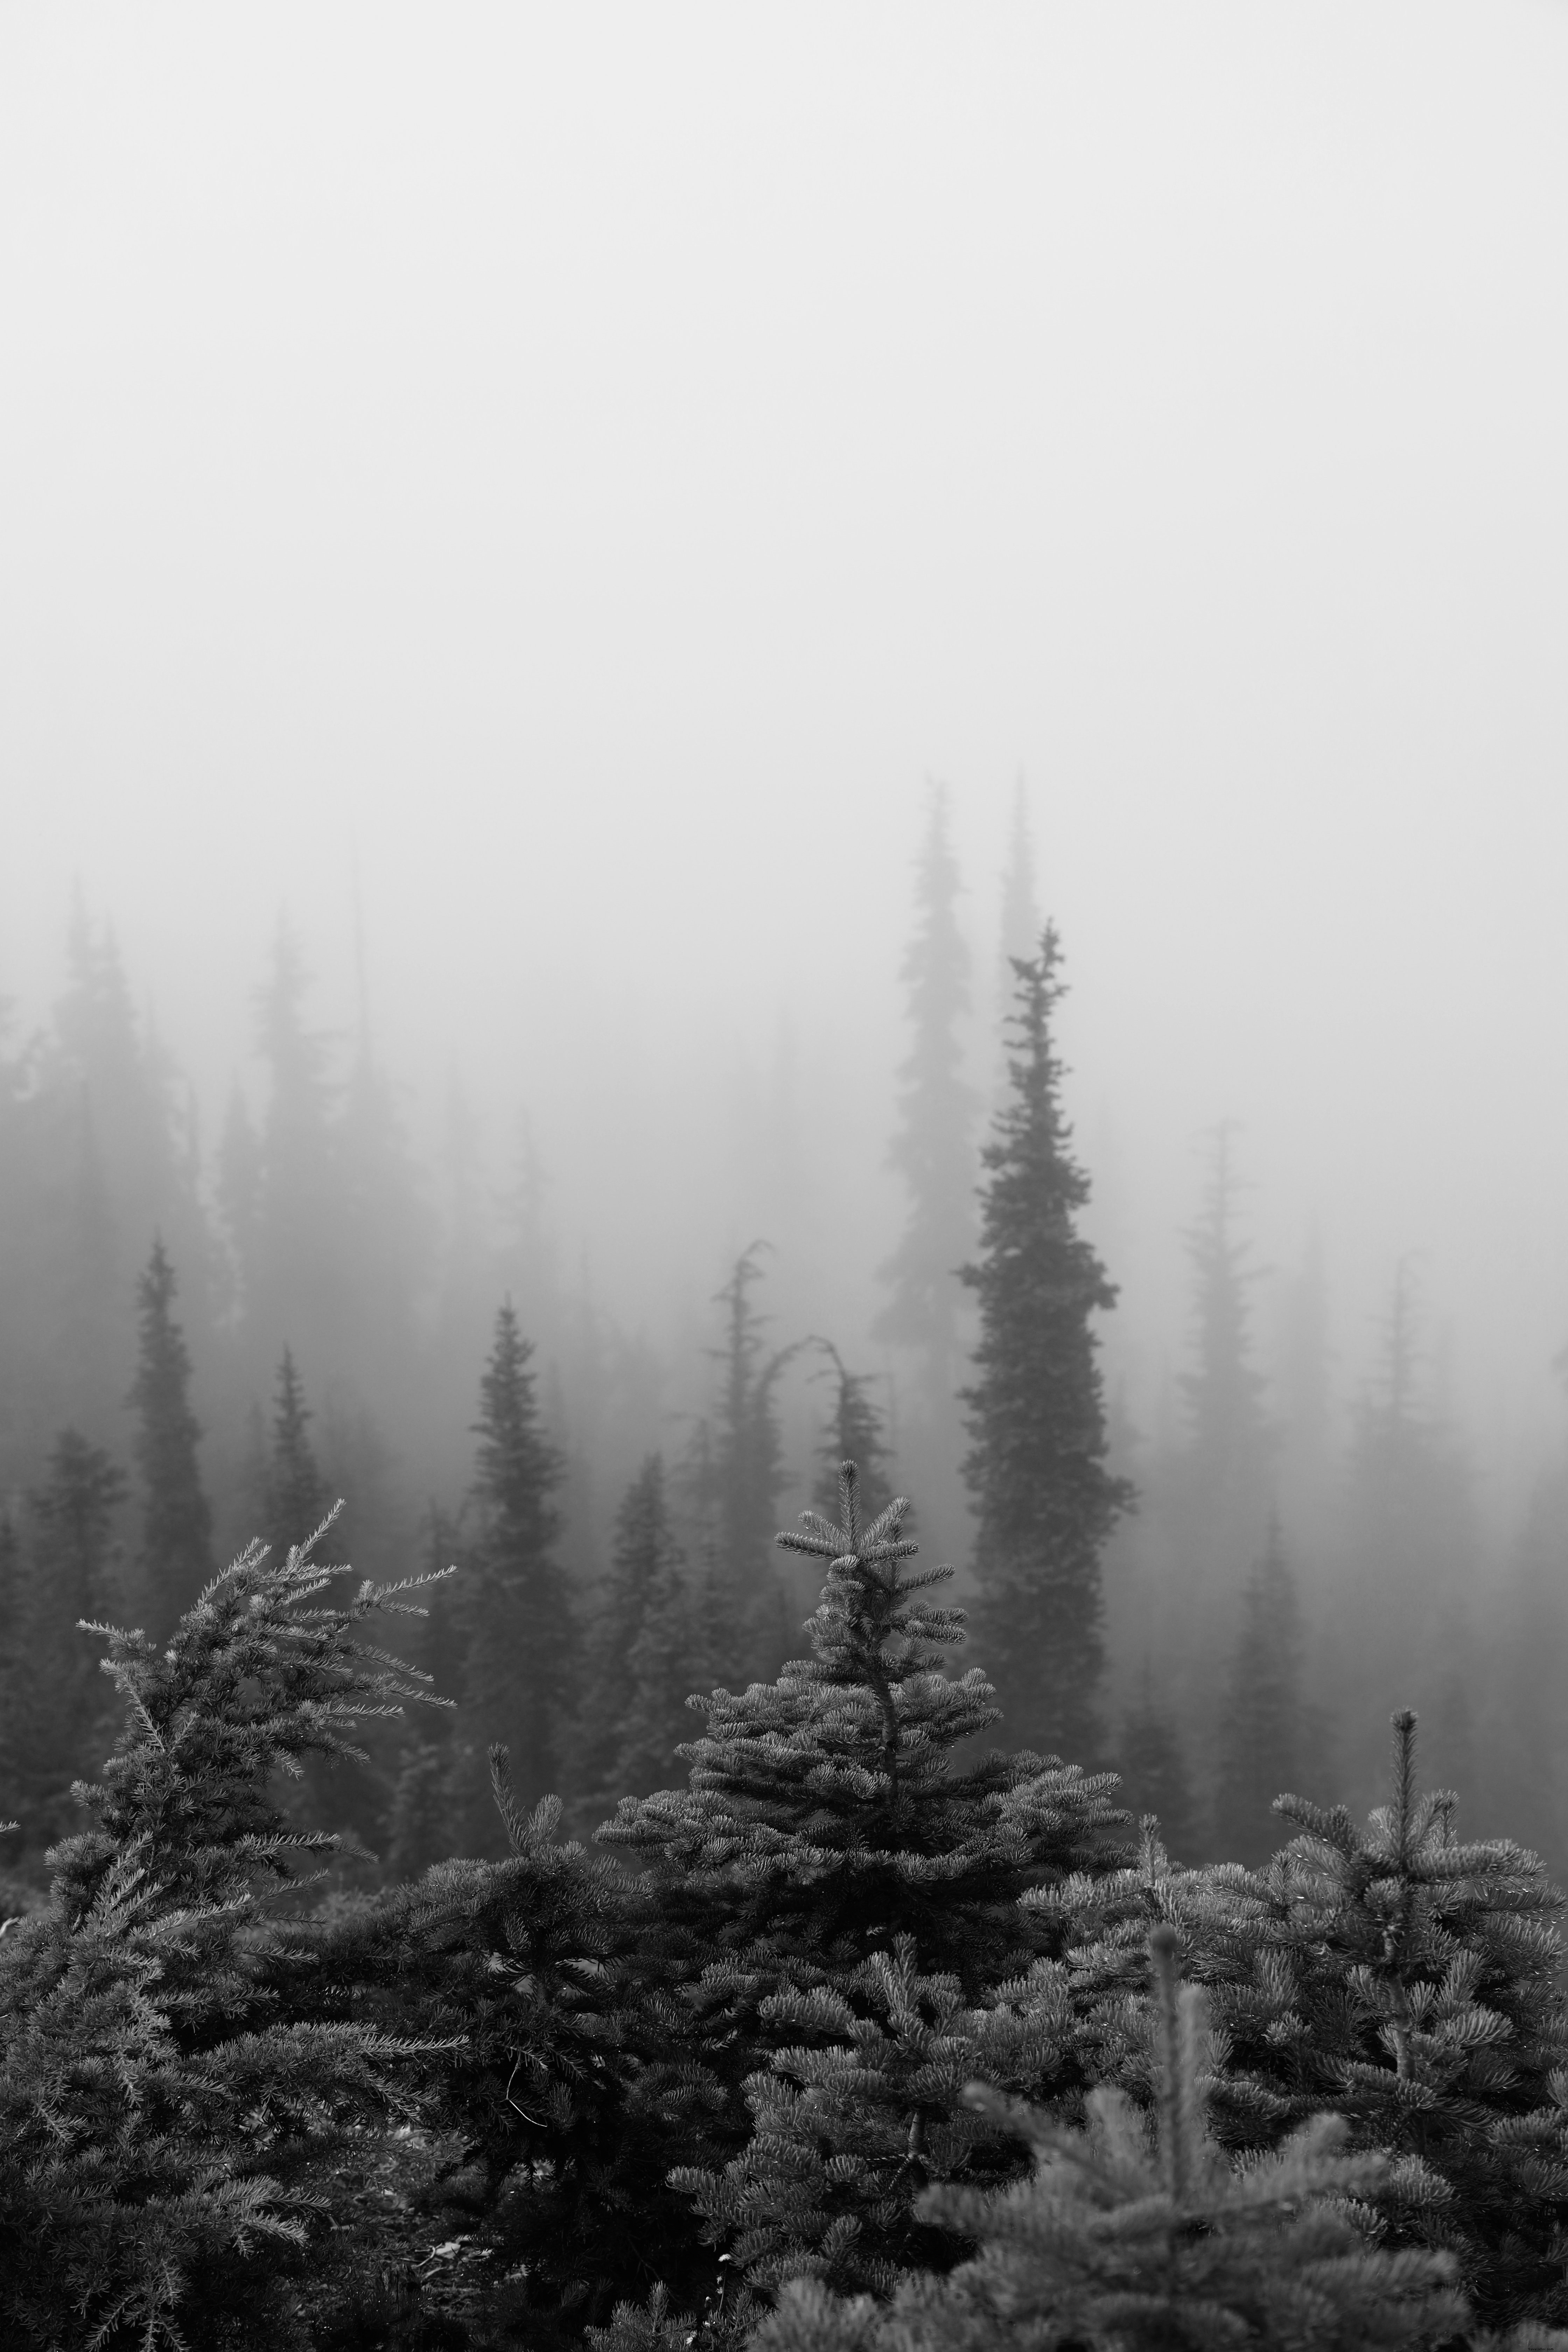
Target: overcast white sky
590, 465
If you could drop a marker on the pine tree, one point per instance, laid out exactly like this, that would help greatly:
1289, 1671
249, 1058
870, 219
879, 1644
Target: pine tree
166, 2137
1224, 1394
175, 1555
734, 1472
1263, 1727
825, 1819
1037, 1469
825, 1814
297, 1501
1155, 1779
521, 1669
632, 1713
932, 1149
855, 1432
1113, 2242
64, 1571
1019, 929
1410, 1542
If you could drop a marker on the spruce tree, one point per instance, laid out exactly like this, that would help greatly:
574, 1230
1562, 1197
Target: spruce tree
734, 1473
297, 1499
855, 1432
931, 1151
638, 1665
1045, 1498
1020, 925
1263, 1724
174, 1559
64, 1573
825, 1814
1115, 2242
166, 2138
521, 1669
1155, 1779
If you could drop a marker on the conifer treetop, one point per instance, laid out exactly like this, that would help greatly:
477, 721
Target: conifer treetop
832, 1792
256, 1677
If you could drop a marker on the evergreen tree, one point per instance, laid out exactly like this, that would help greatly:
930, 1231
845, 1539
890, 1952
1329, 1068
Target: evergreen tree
521, 1669
634, 1712
854, 1434
824, 1813
1263, 1727
297, 1501
175, 1557
166, 2139
1020, 926
1224, 1394
1410, 1542
1155, 1779
1113, 2242
932, 1149
734, 1472
64, 1573
1044, 1497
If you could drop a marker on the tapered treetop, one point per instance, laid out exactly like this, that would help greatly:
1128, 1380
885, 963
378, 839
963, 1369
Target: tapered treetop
825, 1813
1037, 1468
175, 1558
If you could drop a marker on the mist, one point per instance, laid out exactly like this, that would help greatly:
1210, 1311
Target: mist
536, 504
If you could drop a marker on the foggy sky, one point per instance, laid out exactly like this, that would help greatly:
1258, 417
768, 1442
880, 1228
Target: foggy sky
574, 476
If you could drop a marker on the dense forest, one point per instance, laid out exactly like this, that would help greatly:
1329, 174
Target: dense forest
427, 1966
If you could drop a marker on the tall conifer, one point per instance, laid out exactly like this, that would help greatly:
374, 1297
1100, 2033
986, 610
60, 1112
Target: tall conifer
521, 1668
639, 1668
1262, 1732
297, 1496
932, 1149
175, 1555
856, 1432
1037, 1469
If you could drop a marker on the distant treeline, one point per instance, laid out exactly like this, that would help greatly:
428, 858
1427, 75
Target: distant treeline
195, 1351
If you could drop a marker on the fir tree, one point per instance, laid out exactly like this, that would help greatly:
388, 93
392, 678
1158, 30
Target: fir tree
639, 1668
932, 1149
1230, 1434
166, 2137
1262, 1732
1113, 2242
1155, 1779
1409, 1541
175, 1555
297, 1501
1044, 1497
855, 1433
1019, 929
521, 1668
824, 1813
735, 1472
64, 1571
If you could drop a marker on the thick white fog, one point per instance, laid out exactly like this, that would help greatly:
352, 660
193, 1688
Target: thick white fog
570, 478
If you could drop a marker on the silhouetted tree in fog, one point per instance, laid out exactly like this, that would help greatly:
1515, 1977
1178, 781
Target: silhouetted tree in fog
931, 1148
1227, 1468
640, 1665
1263, 1722
855, 1432
734, 1473
522, 1666
297, 1496
1020, 925
1155, 1778
1044, 1497
175, 1559
1410, 1547
63, 1572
